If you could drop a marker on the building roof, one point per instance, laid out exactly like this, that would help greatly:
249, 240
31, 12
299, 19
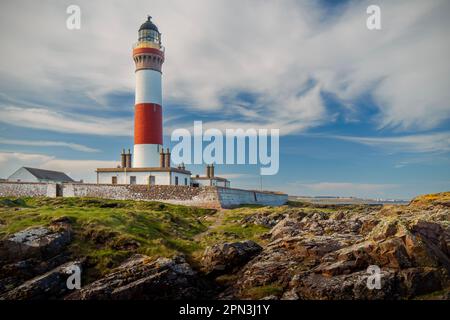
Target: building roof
147, 169
149, 25
209, 178
49, 175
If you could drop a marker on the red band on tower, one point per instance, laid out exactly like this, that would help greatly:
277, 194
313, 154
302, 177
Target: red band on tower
148, 50
148, 123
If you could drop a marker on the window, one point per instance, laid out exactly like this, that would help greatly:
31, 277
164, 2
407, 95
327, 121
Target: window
114, 180
149, 35
176, 181
132, 179
185, 181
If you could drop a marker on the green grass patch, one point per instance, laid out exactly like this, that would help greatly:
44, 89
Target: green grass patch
108, 231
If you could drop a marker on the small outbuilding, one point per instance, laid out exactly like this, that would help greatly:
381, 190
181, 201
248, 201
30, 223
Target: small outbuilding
27, 174
210, 179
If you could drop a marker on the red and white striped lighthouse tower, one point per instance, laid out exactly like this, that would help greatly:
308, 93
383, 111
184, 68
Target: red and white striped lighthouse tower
148, 55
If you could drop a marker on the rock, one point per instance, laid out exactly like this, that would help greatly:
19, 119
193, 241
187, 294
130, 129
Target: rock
142, 278
419, 281
347, 287
226, 257
51, 285
326, 256
41, 242
14, 274
267, 218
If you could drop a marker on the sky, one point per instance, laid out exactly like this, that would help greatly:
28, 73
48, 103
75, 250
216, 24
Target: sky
361, 112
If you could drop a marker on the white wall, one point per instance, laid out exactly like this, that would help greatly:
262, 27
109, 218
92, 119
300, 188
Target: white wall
22, 175
208, 182
146, 155
161, 178
181, 177
148, 87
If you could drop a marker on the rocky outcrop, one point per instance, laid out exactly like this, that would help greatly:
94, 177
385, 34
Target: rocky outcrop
321, 255
32, 252
310, 252
51, 285
226, 257
41, 242
140, 277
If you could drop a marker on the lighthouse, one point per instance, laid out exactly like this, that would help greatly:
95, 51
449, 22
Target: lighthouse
148, 56
150, 163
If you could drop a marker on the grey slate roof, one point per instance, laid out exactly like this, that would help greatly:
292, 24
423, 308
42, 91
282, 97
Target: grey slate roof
49, 175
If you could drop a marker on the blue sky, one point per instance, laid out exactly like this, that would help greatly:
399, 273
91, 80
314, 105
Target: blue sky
361, 113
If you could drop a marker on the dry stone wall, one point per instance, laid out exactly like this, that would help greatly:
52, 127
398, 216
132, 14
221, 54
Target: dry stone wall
213, 197
20, 189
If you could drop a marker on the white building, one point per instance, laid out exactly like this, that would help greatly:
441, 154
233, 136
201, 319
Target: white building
147, 176
210, 180
27, 174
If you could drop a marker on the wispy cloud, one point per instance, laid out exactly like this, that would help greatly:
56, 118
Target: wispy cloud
273, 50
433, 142
41, 143
77, 169
45, 119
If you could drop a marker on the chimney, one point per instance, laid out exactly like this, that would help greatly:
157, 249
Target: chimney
208, 171
211, 171
167, 159
183, 167
128, 159
162, 158
123, 159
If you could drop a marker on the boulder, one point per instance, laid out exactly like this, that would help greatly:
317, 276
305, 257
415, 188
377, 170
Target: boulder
342, 287
140, 277
50, 285
226, 257
40, 242
14, 274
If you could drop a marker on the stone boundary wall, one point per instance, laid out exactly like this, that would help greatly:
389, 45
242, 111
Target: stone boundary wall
230, 197
211, 197
26, 189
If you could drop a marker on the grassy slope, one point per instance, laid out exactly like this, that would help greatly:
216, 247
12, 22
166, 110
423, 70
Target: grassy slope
109, 231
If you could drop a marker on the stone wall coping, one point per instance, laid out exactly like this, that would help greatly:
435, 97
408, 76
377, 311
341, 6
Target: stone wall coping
24, 182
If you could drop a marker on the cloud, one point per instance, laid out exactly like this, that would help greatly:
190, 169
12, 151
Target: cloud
433, 142
40, 143
37, 118
76, 169
274, 50
79, 169
238, 176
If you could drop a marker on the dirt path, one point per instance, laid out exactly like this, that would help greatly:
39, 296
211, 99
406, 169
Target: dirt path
217, 220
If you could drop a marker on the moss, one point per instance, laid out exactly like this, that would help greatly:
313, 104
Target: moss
256, 293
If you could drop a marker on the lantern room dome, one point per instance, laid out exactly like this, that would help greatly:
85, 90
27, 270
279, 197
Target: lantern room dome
149, 25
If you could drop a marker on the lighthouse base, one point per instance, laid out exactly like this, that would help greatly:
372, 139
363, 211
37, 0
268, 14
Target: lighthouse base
146, 155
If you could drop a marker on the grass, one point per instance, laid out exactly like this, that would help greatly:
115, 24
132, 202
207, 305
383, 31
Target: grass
108, 231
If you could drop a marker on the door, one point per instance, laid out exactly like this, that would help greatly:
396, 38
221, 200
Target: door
132, 179
114, 180
151, 180
59, 190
